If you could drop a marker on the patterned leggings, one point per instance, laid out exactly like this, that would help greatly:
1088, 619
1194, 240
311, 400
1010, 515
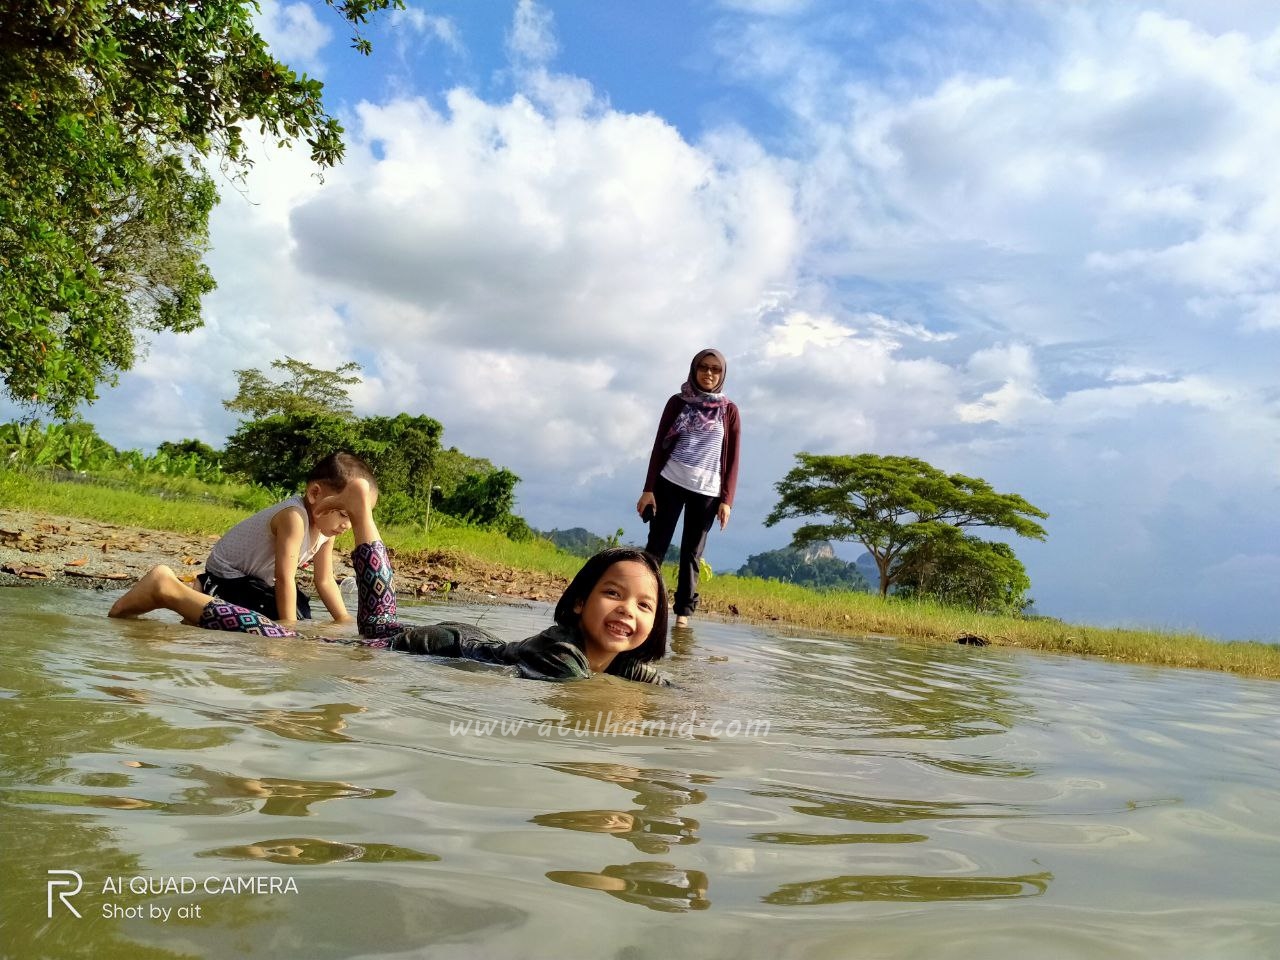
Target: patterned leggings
376, 615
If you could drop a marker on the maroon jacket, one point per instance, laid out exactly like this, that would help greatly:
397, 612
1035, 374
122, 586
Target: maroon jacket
728, 452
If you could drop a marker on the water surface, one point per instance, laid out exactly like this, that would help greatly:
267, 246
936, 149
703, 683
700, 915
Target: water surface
793, 796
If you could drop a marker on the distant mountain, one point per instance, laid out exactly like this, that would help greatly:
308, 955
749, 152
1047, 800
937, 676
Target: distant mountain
813, 566
866, 565
818, 551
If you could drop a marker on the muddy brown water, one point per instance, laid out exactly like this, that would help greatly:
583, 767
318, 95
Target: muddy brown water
217, 795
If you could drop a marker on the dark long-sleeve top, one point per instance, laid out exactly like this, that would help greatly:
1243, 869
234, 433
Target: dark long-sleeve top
728, 449
558, 653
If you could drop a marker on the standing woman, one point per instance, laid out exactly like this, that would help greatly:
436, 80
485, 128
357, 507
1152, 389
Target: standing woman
694, 468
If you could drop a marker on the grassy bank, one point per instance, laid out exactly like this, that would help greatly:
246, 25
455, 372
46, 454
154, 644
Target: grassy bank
761, 600
863, 613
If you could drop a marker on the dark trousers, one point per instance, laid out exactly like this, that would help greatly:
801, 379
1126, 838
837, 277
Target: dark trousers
250, 593
699, 514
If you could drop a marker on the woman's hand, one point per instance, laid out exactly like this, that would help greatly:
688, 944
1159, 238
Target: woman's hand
723, 512
646, 500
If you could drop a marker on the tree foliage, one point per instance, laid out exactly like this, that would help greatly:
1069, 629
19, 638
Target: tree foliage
965, 571
402, 452
76, 446
483, 498
305, 390
452, 467
308, 415
579, 541
110, 111
191, 448
893, 504
280, 450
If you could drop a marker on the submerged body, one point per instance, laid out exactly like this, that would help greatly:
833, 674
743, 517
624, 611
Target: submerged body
557, 653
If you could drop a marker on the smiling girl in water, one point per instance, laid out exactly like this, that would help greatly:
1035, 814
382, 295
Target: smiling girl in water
612, 618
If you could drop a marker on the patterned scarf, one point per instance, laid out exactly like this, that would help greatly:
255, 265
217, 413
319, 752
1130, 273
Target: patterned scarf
701, 413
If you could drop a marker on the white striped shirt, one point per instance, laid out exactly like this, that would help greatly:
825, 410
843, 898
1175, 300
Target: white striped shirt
694, 463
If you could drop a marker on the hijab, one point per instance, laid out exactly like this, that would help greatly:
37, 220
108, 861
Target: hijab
698, 357
702, 409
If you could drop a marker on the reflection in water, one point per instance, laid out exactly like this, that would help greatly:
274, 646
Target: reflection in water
648, 832
913, 692
966, 766
1101, 799
654, 788
612, 704
658, 792
821, 839
658, 886
75, 840
322, 723
224, 794
836, 806
280, 796
854, 889
132, 694
681, 641
54, 798
654, 828
306, 850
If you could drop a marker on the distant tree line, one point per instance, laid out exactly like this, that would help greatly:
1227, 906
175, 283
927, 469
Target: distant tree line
288, 425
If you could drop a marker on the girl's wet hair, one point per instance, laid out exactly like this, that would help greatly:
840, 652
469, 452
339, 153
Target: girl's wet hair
338, 469
655, 645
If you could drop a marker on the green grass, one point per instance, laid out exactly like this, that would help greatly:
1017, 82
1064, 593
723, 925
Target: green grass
486, 545
861, 613
758, 600
132, 507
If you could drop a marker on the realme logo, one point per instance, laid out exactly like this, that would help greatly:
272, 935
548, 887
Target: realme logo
76, 881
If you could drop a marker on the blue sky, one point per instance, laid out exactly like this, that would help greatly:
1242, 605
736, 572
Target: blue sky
1029, 242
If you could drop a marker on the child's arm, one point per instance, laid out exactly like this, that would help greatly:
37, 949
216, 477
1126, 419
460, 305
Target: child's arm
327, 586
289, 528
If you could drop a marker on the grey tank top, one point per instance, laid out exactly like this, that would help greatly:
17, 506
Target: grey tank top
249, 550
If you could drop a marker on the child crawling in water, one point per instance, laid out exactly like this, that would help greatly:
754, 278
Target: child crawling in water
255, 564
611, 619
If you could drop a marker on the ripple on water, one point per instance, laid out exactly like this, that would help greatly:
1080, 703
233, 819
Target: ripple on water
927, 801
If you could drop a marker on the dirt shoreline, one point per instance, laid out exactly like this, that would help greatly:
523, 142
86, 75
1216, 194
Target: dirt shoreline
69, 551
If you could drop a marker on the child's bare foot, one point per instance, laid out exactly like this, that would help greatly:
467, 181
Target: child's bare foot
159, 587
